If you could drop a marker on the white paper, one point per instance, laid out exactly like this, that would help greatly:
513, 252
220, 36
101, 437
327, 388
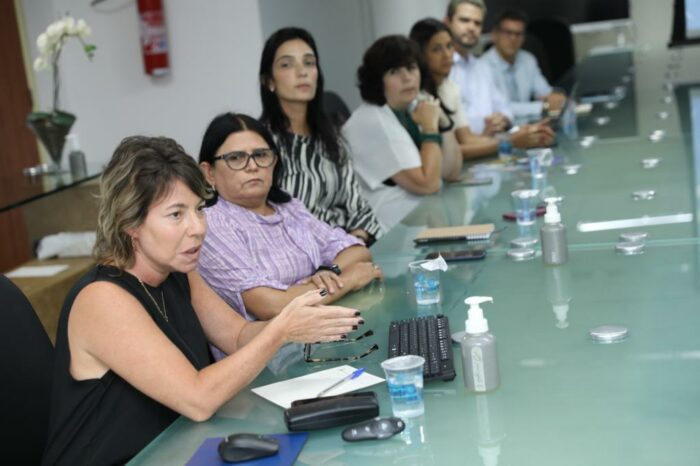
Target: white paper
37, 271
310, 385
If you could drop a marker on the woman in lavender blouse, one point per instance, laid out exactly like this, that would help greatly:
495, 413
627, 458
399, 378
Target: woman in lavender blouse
263, 247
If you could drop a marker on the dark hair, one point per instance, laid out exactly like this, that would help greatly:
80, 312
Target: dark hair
140, 173
421, 33
228, 123
512, 15
452, 6
385, 54
322, 129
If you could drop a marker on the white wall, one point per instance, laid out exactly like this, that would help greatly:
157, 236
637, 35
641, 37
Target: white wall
214, 52
397, 16
341, 28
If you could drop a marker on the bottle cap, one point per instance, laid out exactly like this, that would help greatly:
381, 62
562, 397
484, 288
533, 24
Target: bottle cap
633, 236
521, 254
524, 242
630, 248
650, 162
608, 333
571, 169
643, 194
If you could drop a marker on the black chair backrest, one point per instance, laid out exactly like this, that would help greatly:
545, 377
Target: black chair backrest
26, 365
558, 42
335, 108
534, 46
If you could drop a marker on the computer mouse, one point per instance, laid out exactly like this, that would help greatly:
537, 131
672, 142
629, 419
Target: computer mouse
244, 447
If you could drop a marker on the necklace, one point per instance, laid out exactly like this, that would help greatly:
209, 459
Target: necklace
164, 311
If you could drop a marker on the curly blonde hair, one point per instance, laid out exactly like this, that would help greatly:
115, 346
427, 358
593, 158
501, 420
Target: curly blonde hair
141, 172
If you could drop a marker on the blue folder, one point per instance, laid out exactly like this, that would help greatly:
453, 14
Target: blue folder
290, 446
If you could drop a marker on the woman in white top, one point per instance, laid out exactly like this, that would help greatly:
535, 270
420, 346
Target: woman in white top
434, 41
393, 137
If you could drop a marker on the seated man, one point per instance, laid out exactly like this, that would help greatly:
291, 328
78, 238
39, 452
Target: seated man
487, 107
515, 71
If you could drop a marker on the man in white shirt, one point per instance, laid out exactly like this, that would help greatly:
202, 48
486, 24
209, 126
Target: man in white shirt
487, 108
516, 72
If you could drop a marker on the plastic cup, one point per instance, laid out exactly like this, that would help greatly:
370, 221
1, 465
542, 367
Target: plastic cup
426, 283
540, 160
525, 203
404, 377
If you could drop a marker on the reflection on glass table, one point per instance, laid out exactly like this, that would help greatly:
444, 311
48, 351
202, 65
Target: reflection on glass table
17, 189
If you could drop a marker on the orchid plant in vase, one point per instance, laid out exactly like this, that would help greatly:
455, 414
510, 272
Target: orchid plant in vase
52, 127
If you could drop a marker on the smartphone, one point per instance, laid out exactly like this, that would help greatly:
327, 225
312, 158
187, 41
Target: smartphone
452, 256
510, 216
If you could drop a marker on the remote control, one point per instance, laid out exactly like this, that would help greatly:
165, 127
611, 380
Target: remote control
377, 428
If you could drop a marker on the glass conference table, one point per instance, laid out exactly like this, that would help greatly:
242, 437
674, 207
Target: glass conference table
563, 399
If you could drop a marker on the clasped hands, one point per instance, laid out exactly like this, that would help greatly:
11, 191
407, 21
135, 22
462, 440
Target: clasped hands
356, 276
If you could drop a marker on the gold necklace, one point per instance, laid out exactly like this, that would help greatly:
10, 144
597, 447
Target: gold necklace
164, 311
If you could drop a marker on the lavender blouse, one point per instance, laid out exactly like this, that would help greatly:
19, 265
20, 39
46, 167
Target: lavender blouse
244, 250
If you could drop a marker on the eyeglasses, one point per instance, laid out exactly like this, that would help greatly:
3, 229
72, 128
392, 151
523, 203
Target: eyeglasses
512, 33
372, 349
238, 159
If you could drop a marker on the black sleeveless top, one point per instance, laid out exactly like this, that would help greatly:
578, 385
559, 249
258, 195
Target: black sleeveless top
106, 420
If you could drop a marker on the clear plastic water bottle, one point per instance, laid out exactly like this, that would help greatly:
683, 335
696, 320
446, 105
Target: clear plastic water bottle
505, 149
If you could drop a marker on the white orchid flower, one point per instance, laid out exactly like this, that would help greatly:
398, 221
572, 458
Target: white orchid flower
82, 29
69, 25
50, 43
54, 31
42, 43
40, 63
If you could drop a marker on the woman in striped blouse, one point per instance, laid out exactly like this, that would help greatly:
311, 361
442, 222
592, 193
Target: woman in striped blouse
317, 168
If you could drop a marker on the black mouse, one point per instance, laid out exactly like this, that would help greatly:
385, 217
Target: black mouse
244, 447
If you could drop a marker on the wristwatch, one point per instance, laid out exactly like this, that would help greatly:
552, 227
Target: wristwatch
335, 268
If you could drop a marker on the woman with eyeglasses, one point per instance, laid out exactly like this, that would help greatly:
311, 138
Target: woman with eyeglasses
131, 349
263, 247
394, 136
317, 169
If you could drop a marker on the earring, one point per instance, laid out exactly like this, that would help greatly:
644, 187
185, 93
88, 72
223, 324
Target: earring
272, 89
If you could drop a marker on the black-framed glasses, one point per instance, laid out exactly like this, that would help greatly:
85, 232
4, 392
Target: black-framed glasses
372, 349
512, 33
238, 159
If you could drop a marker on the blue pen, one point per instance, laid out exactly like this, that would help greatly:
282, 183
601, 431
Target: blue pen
354, 375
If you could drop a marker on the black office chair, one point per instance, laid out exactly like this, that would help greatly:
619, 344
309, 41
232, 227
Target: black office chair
534, 45
335, 108
558, 42
26, 365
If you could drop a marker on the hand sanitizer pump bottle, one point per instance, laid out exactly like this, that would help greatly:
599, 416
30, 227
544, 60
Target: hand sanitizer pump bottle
553, 235
76, 158
479, 359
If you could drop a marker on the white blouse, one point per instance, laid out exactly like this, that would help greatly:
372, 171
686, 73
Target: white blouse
381, 147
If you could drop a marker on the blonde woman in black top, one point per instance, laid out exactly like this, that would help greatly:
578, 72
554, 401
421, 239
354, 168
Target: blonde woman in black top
317, 167
131, 347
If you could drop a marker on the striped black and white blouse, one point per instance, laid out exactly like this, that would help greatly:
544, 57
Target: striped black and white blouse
328, 189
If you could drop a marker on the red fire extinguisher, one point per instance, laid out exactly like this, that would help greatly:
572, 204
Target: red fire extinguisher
154, 37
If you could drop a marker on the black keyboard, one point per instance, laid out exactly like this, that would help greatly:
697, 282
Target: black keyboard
428, 337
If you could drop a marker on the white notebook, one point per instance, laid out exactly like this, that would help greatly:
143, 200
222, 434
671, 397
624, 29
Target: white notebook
308, 386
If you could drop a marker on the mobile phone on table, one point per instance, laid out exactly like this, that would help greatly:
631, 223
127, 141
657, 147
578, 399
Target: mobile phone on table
510, 216
453, 256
